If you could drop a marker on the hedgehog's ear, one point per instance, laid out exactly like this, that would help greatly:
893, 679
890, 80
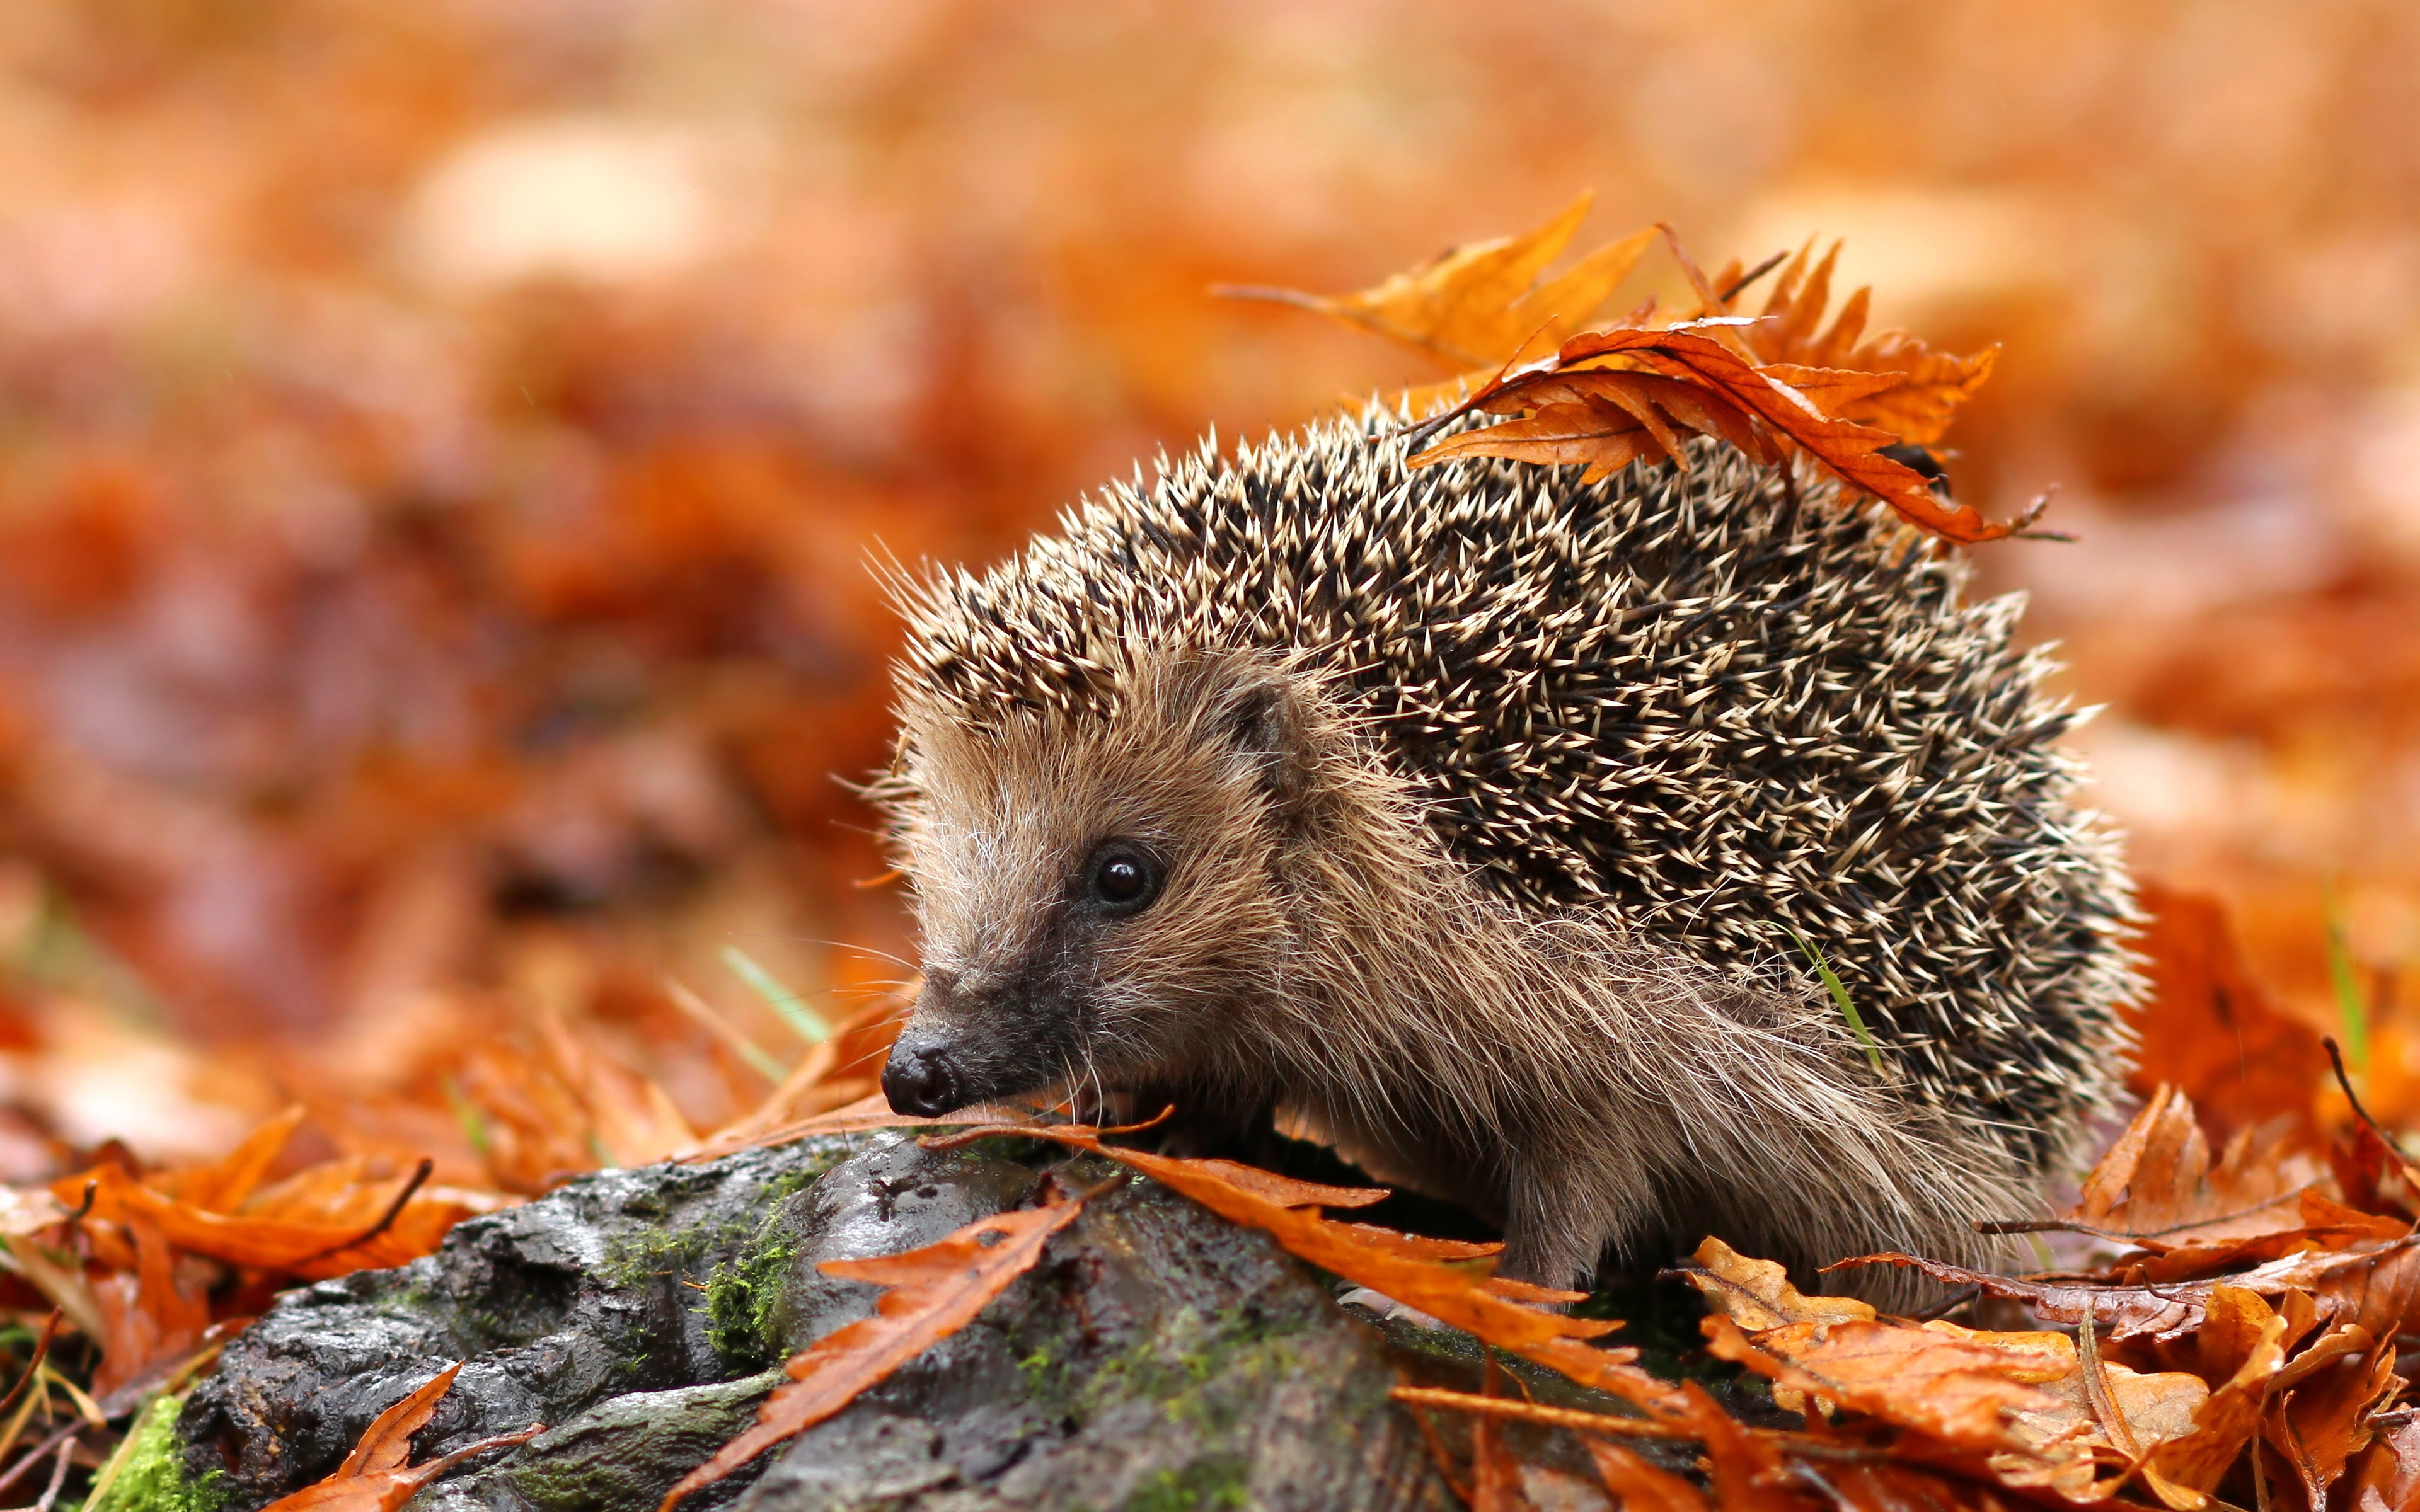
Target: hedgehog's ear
1269, 728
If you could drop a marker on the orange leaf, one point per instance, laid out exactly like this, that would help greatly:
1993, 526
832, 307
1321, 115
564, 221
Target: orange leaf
2041, 1410
2184, 1468
2207, 1029
374, 1477
1962, 1391
1923, 388
1757, 1295
223, 1185
1639, 1485
1850, 450
1477, 305
935, 1290
2385, 1477
150, 1318
2321, 1403
1457, 1295
1287, 1192
1833, 390
311, 1249
2155, 1186
1592, 435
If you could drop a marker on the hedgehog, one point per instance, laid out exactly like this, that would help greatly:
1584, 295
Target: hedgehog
1484, 822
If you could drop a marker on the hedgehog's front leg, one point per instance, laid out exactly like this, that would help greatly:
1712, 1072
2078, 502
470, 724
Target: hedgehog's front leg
1555, 1219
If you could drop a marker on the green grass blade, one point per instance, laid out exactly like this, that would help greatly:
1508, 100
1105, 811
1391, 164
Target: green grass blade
466, 1114
809, 1024
1840, 994
2350, 1006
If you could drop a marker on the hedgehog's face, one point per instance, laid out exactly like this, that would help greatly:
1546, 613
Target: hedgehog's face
1095, 891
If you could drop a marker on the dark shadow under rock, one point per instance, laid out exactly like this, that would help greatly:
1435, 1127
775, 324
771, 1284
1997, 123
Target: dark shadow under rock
1156, 1357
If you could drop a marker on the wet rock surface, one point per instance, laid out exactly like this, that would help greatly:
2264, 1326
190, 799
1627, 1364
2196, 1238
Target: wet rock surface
1155, 1358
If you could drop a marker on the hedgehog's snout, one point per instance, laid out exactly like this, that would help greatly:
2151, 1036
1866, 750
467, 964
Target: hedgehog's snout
921, 1079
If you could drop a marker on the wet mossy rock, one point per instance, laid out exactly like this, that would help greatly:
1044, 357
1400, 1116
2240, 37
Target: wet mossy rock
1156, 1357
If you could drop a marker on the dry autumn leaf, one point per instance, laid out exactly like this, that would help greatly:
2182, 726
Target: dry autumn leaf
2321, 1405
2385, 1477
1458, 1294
1590, 409
1638, 1485
2156, 1189
1607, 398
1904, 387
2372, 1284
375, 1475
2240, 1328
1477, 305
150, 1316
934, 1291
398, 1221
2207, 1029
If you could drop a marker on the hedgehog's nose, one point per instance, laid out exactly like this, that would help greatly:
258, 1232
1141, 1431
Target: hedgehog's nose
921, 1081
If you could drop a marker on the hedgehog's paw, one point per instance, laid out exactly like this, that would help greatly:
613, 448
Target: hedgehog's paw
1385, 1309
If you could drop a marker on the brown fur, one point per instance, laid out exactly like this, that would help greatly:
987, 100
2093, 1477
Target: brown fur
1314, 948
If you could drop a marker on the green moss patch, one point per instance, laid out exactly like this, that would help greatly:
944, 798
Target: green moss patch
151, 1469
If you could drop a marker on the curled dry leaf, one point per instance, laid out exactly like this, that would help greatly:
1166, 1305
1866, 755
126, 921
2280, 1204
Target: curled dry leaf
1606, 398
376, 1478
1589, 408
2322, 1402
1905, 387
2240, 1326
2156, 1188
934, 1291
1757, 1295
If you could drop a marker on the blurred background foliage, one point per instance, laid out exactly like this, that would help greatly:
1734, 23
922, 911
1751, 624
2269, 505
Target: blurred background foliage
441, 445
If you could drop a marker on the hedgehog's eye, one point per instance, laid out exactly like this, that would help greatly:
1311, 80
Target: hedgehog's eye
1124, 879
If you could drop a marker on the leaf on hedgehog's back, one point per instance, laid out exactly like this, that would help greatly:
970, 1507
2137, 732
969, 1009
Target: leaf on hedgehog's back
1735, 399
1908, 389
1477, 305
